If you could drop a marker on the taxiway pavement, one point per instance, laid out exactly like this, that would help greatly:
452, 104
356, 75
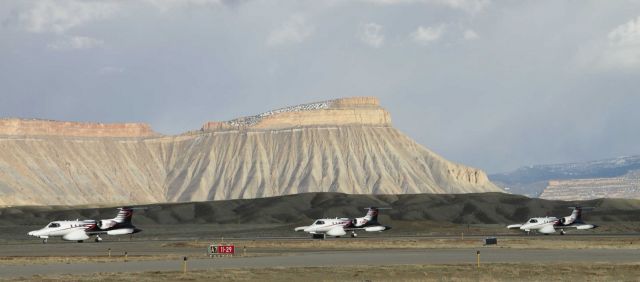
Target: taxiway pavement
282, 258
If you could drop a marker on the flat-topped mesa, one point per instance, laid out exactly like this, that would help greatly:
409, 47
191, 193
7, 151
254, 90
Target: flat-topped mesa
37, 127
338, 112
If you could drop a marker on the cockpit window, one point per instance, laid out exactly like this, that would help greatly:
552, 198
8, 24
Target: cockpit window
533, 220
318, 222
53, 224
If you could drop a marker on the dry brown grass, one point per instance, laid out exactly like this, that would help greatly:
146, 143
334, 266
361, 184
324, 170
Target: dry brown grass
426, 243
80, 259
487, 272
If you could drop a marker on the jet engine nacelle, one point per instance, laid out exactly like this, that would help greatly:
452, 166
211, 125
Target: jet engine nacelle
106, 223
374, 228
78, 235
358, 221
121, 231
336, 231
566, 220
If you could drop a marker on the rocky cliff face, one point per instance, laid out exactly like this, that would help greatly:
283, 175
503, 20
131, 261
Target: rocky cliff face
362, 111
35, 127
622, 187
345, 145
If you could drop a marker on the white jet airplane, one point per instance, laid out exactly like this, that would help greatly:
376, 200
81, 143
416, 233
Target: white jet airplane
337, 227
80, 230
548, 225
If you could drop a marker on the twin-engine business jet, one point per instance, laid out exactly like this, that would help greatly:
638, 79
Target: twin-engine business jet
548, 225
80, 230
337, 227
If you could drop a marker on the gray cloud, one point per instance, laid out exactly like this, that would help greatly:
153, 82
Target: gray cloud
294, 30
75, 42
534, 86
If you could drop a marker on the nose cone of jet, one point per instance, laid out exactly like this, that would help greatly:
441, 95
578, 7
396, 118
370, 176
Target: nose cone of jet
31, 233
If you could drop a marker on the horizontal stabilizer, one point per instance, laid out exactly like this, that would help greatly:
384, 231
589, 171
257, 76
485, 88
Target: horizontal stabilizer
585, 226
514, 226
375, 228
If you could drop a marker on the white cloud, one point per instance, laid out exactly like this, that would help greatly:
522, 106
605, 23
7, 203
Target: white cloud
427, 35
371, 34
294, 31
623, 46
168, 5
620, 49
75, 42
471, 6
59, 16
470, 34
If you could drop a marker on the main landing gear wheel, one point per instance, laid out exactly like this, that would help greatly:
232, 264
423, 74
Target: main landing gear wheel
98, 239
44, 241
562, 232
353, 235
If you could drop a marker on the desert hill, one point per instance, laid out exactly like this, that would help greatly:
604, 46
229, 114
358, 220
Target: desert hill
482, 208
344, 145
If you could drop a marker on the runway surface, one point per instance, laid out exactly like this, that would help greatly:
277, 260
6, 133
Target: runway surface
280, 258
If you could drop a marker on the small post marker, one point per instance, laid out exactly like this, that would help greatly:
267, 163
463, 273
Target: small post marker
126, 255
462, 236
184, 265
244, 251
478, 258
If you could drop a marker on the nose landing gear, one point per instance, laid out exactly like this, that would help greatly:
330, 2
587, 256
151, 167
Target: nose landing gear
98, 239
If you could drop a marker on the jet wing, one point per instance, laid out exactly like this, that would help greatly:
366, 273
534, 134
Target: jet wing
96, 232
370, 228
547, 229
579, 226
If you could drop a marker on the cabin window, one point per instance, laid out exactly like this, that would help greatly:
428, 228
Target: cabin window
52, 225
319, 222
533, 220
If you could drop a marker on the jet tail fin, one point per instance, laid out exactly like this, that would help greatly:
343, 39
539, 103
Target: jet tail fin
372, 214
577, 213
124, 215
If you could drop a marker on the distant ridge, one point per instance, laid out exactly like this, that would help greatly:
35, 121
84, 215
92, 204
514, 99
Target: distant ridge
565, 181
344, 145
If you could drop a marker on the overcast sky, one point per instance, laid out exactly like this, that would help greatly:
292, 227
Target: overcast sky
492, 84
